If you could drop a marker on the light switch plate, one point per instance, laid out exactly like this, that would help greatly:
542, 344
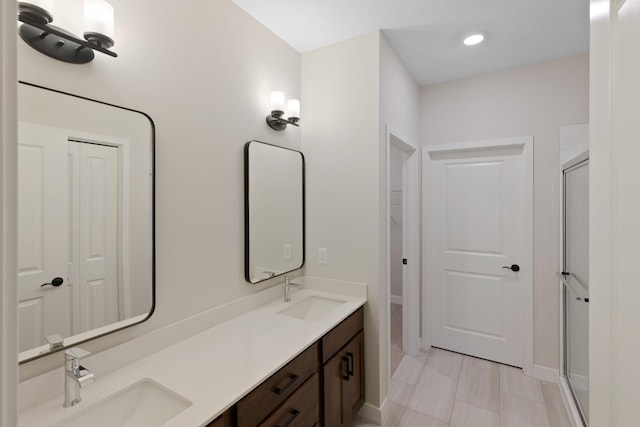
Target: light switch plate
322, 255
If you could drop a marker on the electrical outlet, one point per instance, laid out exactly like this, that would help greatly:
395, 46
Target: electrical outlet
287, 251
322, 255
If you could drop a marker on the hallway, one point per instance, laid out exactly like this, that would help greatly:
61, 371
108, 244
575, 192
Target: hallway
445, 389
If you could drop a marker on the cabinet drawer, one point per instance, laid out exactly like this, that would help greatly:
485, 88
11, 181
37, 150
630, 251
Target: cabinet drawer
302, 409
335, 339
270, 394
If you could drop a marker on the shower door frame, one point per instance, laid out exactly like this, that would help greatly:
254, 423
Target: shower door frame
573, 406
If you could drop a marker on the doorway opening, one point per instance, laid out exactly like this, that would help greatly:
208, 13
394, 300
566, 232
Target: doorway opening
403, 258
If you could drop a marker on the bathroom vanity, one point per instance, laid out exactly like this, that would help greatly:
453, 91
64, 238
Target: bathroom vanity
298, 363
322, 386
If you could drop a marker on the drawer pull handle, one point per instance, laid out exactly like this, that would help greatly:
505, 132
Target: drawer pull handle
282, 389
345, 366
350, 364
294, 415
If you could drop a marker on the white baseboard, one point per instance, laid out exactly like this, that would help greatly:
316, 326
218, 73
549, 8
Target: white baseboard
395, 299
373, 413
569, 404
546, 374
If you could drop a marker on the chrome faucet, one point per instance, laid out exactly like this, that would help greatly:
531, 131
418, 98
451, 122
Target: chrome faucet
75, 376
287, 288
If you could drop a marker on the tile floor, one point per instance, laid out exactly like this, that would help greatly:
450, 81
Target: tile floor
396, 336
445, 389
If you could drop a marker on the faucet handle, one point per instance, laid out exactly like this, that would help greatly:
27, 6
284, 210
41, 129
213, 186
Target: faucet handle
76, 353
55, 341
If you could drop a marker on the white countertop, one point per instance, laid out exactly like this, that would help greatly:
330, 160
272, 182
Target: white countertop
215, 368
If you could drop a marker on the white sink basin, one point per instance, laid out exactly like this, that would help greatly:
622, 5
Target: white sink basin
145, 403
312, 308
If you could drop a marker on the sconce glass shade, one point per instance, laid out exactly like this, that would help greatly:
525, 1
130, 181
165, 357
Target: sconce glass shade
293, 109
98, 23
276, 119
39, 10
277, 101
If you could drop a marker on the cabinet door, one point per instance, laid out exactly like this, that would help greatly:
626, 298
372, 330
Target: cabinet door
344, 384
353, 384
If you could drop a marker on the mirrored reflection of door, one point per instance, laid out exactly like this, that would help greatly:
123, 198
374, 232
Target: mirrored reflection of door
93, 259
68, 209
43, 308
576, 281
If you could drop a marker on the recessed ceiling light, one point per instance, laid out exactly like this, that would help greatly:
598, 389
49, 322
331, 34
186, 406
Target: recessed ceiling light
473, 39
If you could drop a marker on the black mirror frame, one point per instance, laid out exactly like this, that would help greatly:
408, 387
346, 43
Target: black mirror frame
247, 206
153, 222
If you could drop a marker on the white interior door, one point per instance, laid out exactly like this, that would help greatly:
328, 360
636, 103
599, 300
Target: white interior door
94, 256
478, 224
42, 235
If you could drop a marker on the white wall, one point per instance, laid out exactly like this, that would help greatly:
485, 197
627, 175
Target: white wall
533, 100
351, 91
399, 118
340, 96
8, 220
205, 79
399, 113
614, 321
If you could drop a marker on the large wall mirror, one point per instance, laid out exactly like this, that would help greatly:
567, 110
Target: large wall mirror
274, 211
85, 219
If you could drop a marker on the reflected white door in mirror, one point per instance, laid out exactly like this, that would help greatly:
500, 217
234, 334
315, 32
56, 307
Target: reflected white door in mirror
76, 207
85, 220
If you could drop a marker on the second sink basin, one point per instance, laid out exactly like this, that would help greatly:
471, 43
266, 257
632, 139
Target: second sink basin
311, 308
145, 403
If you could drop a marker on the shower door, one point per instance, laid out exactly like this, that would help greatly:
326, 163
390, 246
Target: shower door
576, 281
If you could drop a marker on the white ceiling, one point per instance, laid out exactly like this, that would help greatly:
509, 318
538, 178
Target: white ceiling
427, 34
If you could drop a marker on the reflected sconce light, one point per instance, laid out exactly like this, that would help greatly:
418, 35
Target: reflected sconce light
276, 120
38, 32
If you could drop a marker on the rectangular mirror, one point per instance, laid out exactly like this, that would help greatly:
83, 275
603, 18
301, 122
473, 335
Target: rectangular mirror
85, 219
274, 211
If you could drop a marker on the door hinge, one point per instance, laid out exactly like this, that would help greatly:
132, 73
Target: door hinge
404, 261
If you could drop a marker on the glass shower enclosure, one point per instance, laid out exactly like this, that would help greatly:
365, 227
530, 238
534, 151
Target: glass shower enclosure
575, 279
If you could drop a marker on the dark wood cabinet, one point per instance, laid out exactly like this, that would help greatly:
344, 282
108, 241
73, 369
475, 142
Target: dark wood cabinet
343, 375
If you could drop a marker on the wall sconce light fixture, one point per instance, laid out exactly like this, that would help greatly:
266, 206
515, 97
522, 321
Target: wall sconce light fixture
58, 43
276, 119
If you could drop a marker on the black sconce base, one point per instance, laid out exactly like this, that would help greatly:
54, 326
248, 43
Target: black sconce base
56, 47
276, 122
56, 42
